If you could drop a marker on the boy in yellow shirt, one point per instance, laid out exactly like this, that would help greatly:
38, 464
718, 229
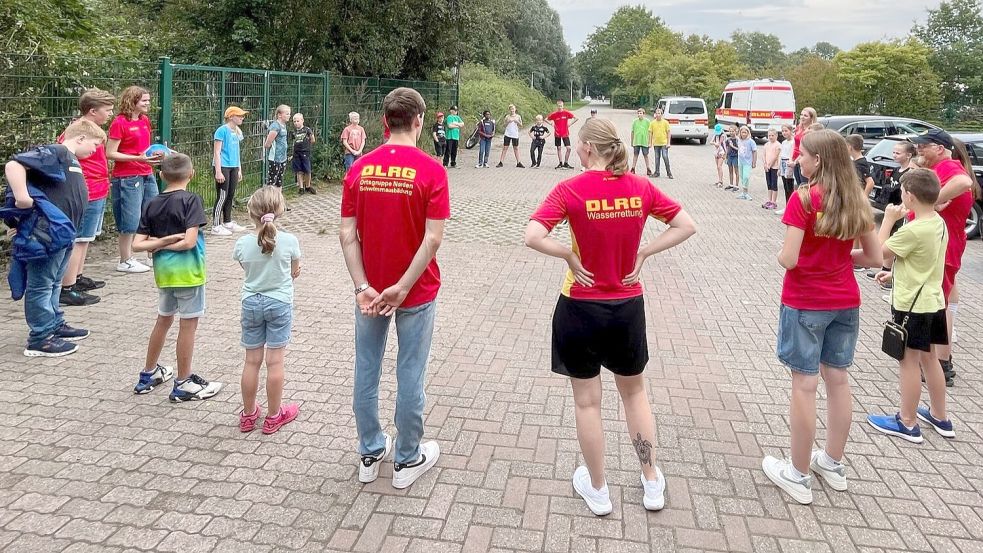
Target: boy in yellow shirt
660, 135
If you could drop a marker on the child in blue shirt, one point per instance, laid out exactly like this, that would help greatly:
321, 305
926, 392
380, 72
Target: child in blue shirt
228, 171
271, 259
747, 159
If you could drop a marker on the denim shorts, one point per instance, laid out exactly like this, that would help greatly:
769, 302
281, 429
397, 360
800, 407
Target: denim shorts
643, 149
186, 303
266, 322
808, 338
130, 194
301, 163
91, 225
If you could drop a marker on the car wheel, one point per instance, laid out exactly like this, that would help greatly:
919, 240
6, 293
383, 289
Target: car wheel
703, 141
973, 222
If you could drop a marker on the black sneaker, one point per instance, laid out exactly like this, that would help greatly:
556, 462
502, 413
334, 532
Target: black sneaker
70, 334
872, 274
567, 165
520, 165
75, 298
632, 170
301, 190
453, 165
669, 175
84, 284
312, 190
500, 164
887, 286
560, 166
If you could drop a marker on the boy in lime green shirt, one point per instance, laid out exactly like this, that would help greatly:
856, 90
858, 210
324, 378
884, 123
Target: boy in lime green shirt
453, 134
640, 141
918, 252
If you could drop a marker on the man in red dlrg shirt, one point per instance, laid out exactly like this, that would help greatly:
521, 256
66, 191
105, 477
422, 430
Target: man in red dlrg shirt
394, 203
561, 119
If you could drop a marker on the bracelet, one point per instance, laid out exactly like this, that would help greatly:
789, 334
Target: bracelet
883, 268
362, 288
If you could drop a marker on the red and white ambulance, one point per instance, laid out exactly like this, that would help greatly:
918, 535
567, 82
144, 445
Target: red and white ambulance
760, 104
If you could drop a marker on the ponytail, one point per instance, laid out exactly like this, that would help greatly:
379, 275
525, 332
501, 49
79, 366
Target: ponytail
619, 159
960, 154
266, 237
602, 135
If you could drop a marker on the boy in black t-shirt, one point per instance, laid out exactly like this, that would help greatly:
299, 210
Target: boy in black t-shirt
855, 143
50, 336
170, 228
538, 134
303, 137
439, 135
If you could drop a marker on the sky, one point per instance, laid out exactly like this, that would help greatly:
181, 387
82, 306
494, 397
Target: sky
798, 23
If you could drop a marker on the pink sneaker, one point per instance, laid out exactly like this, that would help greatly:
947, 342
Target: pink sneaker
247, 423
273, 423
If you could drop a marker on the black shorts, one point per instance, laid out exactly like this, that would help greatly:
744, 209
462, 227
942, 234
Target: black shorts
511, 141
924, 329
588, 334
301, 163
561, 139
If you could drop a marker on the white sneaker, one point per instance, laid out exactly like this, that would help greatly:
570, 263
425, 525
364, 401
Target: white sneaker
131, 265
833, 474
234, 226
598, 501
194, 388
368, 468
219, 230
780, 472
780, 212
655, 491
405, 475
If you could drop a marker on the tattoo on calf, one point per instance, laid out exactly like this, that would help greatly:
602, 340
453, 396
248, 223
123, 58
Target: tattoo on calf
643, 448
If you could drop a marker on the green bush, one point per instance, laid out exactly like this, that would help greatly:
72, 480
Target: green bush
482, 88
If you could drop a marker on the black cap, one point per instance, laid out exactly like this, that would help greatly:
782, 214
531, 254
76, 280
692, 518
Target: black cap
453, 108
934, 136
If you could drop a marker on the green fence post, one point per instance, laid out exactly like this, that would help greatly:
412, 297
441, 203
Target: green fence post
266, 111
298, 94
221, 101
165, 93
325, 99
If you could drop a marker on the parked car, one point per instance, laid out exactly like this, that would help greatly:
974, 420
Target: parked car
874, 127
687, 117
885, 192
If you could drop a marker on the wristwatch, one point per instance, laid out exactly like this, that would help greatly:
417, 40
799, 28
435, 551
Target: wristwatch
362, 288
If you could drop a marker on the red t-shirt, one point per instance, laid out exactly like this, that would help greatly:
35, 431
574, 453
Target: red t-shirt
134, 139
561, 121
823, 278
797, 142
391, 192
607, 215
955, 213
95, 169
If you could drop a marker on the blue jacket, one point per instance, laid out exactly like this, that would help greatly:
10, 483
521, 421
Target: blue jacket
41, 229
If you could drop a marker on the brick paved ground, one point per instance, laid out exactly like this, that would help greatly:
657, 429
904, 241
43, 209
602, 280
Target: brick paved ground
87, 466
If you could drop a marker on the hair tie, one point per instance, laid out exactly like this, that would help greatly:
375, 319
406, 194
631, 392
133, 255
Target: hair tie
267, 218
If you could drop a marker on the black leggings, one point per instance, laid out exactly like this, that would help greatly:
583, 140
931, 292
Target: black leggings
450, 152
536, 151
789, 184
225, 193
276, 173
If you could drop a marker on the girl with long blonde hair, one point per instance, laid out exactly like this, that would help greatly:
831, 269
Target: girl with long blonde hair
819, 319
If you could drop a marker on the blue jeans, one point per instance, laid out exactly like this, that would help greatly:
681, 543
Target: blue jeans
41, 309
350, 160
130, 195
662, 154
484, 149
414, 332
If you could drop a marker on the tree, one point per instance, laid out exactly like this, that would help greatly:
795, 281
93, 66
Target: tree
825, 50
817, 84
758, 50
540, 52
954, 33
609, 45
889, 78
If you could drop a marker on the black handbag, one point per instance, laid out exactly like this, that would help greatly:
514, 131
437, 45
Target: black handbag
895, 337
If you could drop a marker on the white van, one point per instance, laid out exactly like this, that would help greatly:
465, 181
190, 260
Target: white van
760, 104
687, 117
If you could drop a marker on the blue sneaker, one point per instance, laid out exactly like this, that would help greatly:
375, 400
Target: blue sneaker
70, 334
194, 388
943, 427
52, 346
892, 426
150, 380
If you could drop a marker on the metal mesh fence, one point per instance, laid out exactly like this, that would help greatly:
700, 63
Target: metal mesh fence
39, 97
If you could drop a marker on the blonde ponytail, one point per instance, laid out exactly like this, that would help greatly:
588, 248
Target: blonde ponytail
264, 206
602, 135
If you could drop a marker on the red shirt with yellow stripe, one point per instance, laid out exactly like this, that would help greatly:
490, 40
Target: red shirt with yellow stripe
607, 216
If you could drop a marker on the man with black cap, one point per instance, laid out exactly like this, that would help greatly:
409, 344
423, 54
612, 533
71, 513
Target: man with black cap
947, 157
453, 135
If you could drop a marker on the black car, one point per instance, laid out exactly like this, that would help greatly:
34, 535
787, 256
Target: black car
874, 127
886, 190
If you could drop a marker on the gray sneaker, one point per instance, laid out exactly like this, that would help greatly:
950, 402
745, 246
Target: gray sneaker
833, 475
780, 472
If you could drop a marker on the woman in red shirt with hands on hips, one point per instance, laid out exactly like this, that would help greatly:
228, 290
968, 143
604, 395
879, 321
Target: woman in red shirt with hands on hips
600, 316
